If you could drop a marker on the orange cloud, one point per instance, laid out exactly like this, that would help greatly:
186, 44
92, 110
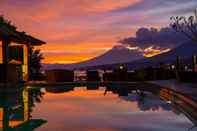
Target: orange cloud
71, 53
76, 47
108, 5
65, 59
151, 51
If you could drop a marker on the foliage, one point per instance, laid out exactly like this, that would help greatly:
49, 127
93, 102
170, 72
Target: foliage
35, 64
7, 23
186, 25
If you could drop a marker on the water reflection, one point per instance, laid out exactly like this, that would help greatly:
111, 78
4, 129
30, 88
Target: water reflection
60, 89
92, 86
145, 99
16, 107
114, 107
85, 108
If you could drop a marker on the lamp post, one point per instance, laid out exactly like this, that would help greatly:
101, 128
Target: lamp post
193, 62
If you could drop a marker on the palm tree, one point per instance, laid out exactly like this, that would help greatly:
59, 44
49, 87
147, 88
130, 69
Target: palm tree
35, 64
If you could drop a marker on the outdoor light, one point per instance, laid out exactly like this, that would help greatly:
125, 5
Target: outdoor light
121, 67
173, 66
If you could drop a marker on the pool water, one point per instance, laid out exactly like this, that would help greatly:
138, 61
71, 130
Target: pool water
87, 110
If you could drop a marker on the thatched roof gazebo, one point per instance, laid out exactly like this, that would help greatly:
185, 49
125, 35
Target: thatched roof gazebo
14, 52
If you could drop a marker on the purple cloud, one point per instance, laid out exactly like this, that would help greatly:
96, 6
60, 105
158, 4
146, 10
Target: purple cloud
163, 38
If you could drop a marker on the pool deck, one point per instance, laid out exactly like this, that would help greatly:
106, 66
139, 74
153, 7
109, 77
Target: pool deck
188, 89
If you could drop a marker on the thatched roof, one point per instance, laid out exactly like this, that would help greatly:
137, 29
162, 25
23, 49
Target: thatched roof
8, 31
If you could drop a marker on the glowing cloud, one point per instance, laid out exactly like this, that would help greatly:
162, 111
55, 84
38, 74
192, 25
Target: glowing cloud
151, 51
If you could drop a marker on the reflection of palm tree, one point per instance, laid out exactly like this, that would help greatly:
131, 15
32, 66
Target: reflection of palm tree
16, 106
35, 95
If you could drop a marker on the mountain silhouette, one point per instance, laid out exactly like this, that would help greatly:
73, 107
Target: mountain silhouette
118, 54
184, 51
133, 59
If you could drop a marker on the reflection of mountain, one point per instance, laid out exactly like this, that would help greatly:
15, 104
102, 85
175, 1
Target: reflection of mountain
147, 101
118, 54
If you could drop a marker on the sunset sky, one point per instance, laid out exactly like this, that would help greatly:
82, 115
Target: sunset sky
77, 30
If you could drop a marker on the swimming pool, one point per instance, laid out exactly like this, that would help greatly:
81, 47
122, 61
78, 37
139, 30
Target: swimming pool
91, 108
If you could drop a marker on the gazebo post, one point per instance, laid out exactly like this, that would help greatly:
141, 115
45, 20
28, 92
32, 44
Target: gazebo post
5, 59
29, 60
5, 121
26, 61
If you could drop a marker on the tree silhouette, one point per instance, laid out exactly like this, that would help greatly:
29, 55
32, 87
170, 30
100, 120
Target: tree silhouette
186, 25
7, 23
35, 64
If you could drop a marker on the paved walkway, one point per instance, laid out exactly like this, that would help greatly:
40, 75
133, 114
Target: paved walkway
189, 89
